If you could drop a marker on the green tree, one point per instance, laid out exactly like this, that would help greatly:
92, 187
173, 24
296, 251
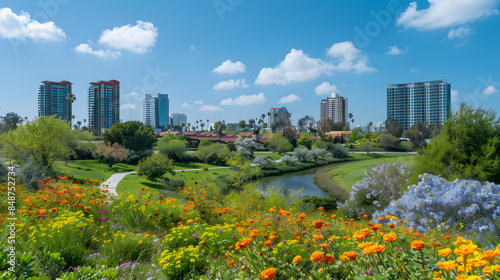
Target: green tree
279, 144
155, 167
205, 142
12, 120
391, 125
44, 140
131, 135
305, 141
367, 146
241, 170
229, 128
242, 124
174, 148
467, 148
111, 152
389, 142
417, 134
355, 132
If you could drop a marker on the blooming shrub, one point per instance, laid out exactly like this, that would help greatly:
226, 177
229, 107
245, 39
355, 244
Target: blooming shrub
339, 151
263, 161
318, 152
289, 160
245, 145
438, 203
303, 154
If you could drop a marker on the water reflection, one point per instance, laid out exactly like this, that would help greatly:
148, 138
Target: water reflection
292, 181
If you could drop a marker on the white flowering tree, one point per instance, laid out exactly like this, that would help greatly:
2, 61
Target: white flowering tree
245, 145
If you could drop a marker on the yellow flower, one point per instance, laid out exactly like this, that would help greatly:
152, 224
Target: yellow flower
297, 259
364, 244
390, 237
268, 273
418, 245
461, 241
317, 237
465, 250
489, 255
444, 252
449, 265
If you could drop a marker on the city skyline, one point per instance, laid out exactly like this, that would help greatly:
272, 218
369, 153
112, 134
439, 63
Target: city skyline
221, 64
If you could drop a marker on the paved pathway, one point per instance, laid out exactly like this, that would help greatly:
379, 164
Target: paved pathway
113, 181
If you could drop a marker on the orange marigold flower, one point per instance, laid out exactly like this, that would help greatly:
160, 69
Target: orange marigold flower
381, 218
418, 245
364, 245
297, 259
53, 209
444, 252
231, 262
465, 250
332, 238
489, 255
318, 224
390, 237
365, 216
449, 265
317, 237
268, 273
302, 216
351, 255
251, 221
324, 247
41, 211
362, 234
267, 243
329, 258
316, 256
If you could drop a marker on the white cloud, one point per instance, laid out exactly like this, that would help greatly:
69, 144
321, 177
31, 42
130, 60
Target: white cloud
296, 67
489, 90
133, 93
446, 13
192, 48
460, 32
199, 102
325, 88
454, 96
87, 49
231, 84
210, 108
13, 26
139, 38
289, 99
186, 105
127, 106
414, 70
394, 50
229, 67
349, 58
245, 100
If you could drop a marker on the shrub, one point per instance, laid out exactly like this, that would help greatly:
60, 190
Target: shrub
279, 144
289, 160
438, 203
263, 161
214, 154
327, 203
339, 151
305, 142
205, 142
134, 157
231, 146
32, 172
303, 154
322, 144
3, 172
175, 149
174, 184
246, 146
380, 185
318, 152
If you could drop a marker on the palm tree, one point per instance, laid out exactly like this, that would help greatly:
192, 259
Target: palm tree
79, 123
70, 98
269, 117
182, 126
350, 117
188, 126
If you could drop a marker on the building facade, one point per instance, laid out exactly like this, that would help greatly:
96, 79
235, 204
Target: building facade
103, 105
55, 98
178, 119
156, 111
279, 116
422, 102
334, 108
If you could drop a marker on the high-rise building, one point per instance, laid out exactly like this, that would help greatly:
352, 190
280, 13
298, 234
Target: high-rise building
423, 102
54, 98
155, 111
279, 116
104, 105
178, 119
334, 108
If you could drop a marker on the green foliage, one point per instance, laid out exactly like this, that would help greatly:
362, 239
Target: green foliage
214, 154
318, 152
45, 140
205, 142
172, 147
231, 146
367, 146
131, 135
155, 166
467, 148
112, 153
305, 141
389, 142
242, 169
134, 157
237, 131
392, 127
355, 133
263, 161
320, 143
32, 172
327, 203
303, 154
339, 151
279, 144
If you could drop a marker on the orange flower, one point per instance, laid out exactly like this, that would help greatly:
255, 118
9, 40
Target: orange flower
268, 273
465, 250
418, 245
316, 256
41, 211
365, 216
231, 262
449, 265
297, 259
324, 247
390, 237
329, 258
351, 255
317, 237
489, 255
267, 243
318, 224
53, 209
302, 216
243, 243
362, 234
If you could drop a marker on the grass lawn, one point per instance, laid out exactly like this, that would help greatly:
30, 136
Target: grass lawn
83, 169
349, 173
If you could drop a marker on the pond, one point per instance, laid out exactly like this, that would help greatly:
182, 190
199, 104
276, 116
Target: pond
292, 181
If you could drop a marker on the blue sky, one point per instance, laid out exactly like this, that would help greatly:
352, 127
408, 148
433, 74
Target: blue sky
235, 59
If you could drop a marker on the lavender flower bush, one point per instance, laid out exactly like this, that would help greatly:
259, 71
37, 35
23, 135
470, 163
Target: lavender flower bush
438, 203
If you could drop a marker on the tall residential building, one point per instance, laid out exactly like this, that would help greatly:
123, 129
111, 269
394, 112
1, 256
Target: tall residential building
423, 102
54, 99
335, 108
104, 105
279, 116
178, 119
156, 111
